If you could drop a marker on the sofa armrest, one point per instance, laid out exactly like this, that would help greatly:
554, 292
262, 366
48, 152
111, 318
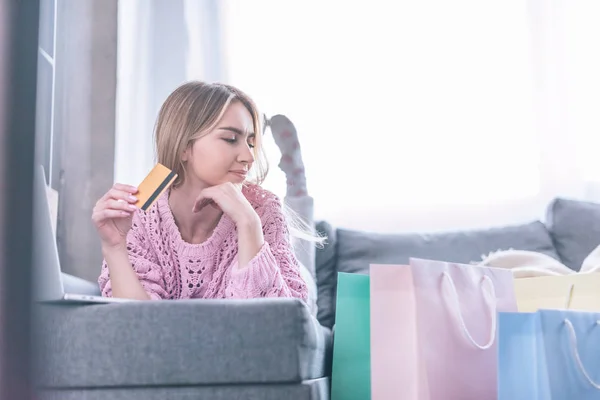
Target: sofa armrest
179, 342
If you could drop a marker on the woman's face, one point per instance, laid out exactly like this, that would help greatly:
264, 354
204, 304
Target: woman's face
225, 154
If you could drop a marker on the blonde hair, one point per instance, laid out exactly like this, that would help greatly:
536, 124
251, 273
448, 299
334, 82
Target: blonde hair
192, 111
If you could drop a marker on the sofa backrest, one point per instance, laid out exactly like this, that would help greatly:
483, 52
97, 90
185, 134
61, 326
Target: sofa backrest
575, 229
572, 231
353, 251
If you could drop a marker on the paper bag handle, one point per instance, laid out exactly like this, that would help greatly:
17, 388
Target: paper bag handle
575, 350
461, 318
569, 296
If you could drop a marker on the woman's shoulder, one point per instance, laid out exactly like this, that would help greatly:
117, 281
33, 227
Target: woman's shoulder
261, 198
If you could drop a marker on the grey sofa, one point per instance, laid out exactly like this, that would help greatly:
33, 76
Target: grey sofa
569, 232
264, 348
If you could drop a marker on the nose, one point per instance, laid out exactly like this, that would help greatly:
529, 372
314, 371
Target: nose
246, 155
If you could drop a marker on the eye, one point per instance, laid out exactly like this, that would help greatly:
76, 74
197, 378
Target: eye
251, 145
230, 140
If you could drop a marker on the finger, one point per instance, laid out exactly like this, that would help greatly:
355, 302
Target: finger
201, 203
206, 197
125, 188
228, 186
104, 215
231, 188
117, 194
198, 203
236, 185
119, 205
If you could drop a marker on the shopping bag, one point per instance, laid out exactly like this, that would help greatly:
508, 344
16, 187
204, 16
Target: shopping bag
396, 370
457, 309
571, 342
351, 366
576, 292
549, 355
522, 372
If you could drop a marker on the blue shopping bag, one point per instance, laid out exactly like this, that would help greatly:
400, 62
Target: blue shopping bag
549, 355
351, 368
522, 373
572, 353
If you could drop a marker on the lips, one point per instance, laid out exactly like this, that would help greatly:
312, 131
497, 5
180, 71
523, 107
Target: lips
240, 172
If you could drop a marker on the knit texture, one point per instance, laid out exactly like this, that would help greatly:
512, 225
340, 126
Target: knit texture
170, 268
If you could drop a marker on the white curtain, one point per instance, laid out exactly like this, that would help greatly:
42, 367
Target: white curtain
412, 115
582, 69
161, 44
567, 89
428, 115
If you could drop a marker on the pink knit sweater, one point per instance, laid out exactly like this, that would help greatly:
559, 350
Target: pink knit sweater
170, 268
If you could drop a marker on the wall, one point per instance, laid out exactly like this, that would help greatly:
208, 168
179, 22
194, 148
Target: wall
84, 126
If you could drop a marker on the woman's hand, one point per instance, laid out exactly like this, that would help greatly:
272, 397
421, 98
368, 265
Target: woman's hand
230, 199
113, 213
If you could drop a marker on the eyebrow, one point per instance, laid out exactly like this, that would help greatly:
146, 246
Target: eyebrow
236, 131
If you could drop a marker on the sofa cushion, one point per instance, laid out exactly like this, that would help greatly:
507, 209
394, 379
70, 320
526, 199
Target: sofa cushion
325, 261
179, 342
575, 228
354, 251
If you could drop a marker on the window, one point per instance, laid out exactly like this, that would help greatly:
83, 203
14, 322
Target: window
413, 109
582, 66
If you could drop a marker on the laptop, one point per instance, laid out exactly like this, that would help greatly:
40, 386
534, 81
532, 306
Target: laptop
50, 284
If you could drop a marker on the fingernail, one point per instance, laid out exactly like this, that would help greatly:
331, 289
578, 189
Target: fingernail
132, 207
124, 213
132, 198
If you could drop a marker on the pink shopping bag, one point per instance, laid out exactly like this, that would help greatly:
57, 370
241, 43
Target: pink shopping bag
396, 370
457, 308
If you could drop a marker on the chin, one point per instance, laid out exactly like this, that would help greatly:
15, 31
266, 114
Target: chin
235, 178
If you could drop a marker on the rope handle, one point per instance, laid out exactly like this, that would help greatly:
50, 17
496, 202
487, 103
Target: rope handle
569, 296
575, 350
492, 311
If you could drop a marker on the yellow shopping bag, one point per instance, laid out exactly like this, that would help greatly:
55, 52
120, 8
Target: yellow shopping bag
575, 292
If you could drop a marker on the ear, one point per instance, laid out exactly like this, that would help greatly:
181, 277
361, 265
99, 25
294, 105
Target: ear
186, 154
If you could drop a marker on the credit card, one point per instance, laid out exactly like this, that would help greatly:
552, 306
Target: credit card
153, 185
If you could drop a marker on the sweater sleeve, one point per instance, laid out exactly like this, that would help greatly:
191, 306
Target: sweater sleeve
274, 271
144, 262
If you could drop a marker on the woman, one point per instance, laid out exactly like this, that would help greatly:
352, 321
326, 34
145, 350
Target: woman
215, 233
